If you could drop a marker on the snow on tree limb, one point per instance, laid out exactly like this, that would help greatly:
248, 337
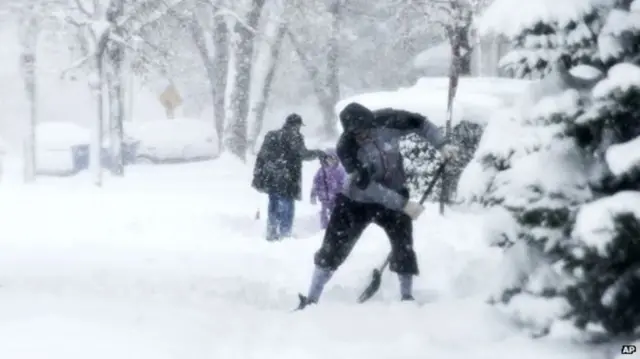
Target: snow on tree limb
83, 9
624, 158
158, 13
313, 71
510, 17
595, 221
621, 77
77, 64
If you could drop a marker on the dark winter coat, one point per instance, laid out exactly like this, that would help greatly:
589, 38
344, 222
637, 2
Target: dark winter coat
373, 161
278, 167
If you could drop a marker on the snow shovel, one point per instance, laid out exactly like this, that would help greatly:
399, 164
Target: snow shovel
376, 279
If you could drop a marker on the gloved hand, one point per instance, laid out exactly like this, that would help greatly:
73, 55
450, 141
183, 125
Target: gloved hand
449, 151
413, 209
322, 156
362, 177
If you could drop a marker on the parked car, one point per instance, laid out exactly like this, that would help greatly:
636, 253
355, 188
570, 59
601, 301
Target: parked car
173, 140
62, 149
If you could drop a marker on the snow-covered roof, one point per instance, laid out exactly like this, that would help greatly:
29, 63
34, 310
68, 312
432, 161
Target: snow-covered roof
510, 17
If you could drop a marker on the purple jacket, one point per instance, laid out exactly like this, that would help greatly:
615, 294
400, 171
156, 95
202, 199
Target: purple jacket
328, 182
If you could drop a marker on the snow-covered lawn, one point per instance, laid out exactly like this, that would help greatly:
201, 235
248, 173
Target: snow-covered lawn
169, 262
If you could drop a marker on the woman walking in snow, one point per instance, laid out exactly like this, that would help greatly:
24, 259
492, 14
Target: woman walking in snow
327, 183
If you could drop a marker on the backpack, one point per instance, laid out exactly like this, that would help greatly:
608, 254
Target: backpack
269, 162
273, 147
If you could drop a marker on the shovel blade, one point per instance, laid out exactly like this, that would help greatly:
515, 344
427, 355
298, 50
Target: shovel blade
372, 288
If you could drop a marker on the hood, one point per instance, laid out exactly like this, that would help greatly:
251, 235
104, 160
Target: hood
331, 153
356, 117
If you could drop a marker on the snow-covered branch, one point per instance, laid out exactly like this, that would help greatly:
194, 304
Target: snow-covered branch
156, 15
81, 7
76, 64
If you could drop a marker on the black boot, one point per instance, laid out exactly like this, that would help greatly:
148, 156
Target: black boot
304, 302
407, 298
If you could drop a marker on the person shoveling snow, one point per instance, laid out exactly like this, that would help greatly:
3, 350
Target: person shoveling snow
375, 192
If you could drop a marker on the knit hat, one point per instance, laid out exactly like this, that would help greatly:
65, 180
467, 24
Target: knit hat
293, 120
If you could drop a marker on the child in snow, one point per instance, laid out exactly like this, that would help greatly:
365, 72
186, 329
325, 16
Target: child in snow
327, 183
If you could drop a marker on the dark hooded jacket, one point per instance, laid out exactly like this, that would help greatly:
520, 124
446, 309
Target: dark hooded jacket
374, 164
278, 167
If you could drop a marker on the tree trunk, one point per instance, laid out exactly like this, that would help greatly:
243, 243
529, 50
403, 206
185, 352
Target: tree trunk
458, 52
115, 52
261, 105
116, 112
29, 63
129, 88
95, 155
95, 149
464, 50
240, 95
333, 70
29, 40
221, 71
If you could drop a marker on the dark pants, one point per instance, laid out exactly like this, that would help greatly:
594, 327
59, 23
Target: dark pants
280, 217
326, 208
349, 219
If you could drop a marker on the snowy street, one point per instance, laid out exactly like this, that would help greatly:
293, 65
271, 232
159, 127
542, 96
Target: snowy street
177, 267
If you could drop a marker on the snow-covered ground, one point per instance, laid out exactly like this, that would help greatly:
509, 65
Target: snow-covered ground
170, 262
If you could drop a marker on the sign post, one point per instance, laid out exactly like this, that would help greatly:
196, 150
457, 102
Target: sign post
170, 99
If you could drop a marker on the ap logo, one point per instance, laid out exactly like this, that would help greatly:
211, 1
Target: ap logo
628, 349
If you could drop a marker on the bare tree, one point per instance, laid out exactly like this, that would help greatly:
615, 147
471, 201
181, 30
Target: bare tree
333, 67
29, 32
326, 82
457, 29
213, 46
454, 18
260, 105
106, 30
94, 41
244, 39
115, 52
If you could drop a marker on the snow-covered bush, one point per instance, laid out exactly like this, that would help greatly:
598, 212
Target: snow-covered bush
538, 183
543, 31
605, 247
422, 160
570, 181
